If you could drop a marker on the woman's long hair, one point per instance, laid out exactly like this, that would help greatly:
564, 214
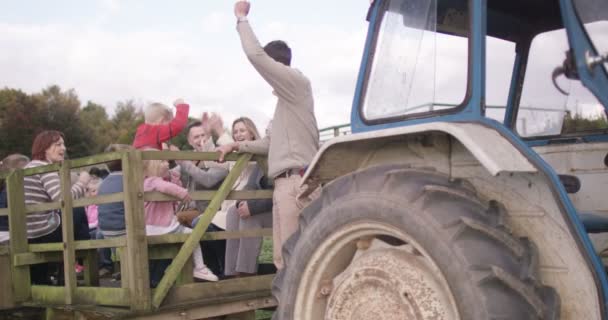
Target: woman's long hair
249, 125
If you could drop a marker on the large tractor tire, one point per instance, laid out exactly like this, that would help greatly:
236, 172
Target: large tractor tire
392, 242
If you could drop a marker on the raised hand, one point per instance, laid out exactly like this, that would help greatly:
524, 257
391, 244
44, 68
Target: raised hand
178, 102
216, 125
241, 8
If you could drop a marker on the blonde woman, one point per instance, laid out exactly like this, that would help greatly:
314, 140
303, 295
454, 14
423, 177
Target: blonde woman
242, 254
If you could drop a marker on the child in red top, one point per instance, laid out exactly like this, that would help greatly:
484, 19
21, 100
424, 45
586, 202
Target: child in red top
160, 126
160, 215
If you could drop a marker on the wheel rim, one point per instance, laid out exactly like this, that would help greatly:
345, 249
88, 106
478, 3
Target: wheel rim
368, 270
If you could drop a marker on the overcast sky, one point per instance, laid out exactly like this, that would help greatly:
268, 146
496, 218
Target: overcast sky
158, 50
110, 51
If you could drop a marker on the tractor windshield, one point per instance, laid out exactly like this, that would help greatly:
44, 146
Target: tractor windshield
568, 107
420, 59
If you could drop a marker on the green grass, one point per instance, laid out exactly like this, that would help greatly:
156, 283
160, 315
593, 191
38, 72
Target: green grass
266, 254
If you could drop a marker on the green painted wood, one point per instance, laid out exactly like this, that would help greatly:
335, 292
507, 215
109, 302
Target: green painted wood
116, 197
225, 288
220, 235
42, 207
188, 247
76, 163
67, 231
248, 315
187, 155
18, 234
186, 276
41, 169
103, 199
29, 258
149, 196
137, 242
95, 159
80, 245
91, 268
208, 195
6, 286
49, 295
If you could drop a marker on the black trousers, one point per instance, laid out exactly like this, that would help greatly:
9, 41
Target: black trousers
41, 273
214, 252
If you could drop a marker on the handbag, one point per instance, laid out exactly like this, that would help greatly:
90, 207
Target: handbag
185, 215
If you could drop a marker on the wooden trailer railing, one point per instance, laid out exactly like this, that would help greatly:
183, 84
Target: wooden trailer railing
175, 294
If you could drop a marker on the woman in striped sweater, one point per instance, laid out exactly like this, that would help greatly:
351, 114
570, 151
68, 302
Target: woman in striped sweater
45, 226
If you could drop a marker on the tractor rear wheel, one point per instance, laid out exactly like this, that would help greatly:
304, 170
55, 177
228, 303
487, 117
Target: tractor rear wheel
392, 242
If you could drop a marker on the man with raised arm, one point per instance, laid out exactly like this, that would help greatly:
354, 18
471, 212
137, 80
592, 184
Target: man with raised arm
294, 138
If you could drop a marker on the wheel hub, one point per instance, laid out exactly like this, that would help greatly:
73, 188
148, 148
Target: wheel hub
385, 282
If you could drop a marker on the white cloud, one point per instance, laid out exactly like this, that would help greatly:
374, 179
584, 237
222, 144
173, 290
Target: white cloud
203, 66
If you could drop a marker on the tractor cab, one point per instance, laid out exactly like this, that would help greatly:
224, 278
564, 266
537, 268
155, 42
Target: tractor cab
535, 68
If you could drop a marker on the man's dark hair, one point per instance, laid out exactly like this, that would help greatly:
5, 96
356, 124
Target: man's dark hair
279, 51
195, 123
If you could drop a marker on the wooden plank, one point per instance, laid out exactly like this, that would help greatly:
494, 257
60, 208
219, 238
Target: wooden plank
121, 255
41, 169
95, 159
214, 307
29, 258
219, 235
6, 286
188, 247
103, 199
186, 276
117, 242
191, 155
18, 234
207, 290
43, 207
208, 195
248, 315
118, 197
67, 231
91, 268
50, 295
137, 242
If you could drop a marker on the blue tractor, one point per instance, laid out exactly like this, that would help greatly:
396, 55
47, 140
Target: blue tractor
472, 186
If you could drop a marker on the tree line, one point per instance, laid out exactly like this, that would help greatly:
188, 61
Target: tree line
88, 128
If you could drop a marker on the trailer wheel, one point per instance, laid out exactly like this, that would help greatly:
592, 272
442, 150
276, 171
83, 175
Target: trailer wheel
392, 242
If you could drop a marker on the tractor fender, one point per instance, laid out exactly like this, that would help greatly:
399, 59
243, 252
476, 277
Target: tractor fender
339, 156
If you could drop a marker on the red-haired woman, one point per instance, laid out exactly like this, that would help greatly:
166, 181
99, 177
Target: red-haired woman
45, 226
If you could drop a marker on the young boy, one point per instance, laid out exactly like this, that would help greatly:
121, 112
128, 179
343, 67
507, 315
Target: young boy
160, 126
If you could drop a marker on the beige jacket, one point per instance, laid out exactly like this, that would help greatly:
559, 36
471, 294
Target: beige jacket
294, 138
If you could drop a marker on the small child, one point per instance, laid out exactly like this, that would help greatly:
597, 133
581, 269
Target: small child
91, 210
160, 126
105, 254
160, 216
